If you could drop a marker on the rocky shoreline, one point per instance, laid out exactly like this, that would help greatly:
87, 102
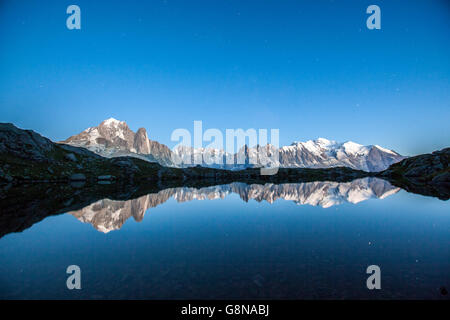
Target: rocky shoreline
427, 174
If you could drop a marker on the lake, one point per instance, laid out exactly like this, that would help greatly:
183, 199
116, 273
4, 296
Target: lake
236, 241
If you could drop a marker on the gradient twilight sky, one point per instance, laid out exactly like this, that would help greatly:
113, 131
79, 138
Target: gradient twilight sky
310, 68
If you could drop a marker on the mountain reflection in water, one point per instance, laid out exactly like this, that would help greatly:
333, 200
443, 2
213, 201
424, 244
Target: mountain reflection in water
107, 215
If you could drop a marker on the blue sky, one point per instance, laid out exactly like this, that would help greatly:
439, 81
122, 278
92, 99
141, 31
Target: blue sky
310, 68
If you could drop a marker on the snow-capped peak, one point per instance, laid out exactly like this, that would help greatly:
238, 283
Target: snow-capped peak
324, 153
385, 150
323, 141
351, 147
111, 121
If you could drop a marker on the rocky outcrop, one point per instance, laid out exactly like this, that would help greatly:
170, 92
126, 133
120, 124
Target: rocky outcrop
427, 174
141, 143
24, 144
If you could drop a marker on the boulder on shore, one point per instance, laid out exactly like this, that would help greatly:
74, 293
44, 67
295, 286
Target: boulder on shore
78, 177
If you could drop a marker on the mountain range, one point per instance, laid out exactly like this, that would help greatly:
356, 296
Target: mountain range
114, 138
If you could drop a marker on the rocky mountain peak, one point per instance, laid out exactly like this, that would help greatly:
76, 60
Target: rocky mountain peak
114, 138
141, 142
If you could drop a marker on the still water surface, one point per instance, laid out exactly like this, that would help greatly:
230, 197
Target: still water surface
291, 241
